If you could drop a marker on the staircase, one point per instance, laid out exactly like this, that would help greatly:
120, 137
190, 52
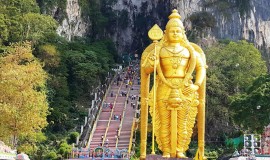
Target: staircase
129, 114
116, 132
113, 126
104, 118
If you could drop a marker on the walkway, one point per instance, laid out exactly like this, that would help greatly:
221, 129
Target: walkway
113, 128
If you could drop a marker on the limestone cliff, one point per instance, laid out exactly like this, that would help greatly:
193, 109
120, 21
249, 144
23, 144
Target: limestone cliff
73, 25
253, 26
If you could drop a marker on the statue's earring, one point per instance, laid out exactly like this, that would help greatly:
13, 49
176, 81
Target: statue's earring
165, 36
185, 36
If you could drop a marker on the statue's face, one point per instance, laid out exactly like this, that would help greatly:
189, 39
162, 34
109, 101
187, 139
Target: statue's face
175, 34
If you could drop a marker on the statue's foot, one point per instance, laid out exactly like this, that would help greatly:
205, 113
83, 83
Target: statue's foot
142, 157
180, 155
203, 156
166, 155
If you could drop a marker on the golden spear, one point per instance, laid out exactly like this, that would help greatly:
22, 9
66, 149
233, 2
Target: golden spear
155, 34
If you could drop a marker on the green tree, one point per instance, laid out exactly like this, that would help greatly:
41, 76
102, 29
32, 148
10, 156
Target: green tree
49, 54
232, 68
88, 65
3, 29
73, 137
64, 149
22, 6
36, 26
21, 20
30, 143
251, 109
51, 155
233, 61
23, 103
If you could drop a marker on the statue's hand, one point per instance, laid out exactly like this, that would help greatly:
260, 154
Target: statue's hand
149, 63
152, 59
190, 89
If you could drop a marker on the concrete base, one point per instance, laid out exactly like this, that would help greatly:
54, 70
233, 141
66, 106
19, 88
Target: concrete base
159, 157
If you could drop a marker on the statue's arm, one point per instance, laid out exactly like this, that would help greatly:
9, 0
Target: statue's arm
201, 82
148, 58
200, 70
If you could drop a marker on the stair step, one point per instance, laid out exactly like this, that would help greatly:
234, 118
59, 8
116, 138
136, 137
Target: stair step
119, 106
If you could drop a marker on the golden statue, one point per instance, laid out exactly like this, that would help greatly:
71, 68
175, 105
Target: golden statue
174, 100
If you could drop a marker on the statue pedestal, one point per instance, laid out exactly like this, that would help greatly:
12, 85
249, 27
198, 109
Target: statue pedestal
159, 157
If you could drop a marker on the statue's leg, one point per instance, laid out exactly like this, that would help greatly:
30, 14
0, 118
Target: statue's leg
186, 117
182, 132
165, 128
192, 113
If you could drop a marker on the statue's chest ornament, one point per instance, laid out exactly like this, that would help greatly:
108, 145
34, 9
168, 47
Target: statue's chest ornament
176, 62
176, 58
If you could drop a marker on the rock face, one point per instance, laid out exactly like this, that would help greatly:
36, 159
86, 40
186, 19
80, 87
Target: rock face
254, 27
143, 14
73, 25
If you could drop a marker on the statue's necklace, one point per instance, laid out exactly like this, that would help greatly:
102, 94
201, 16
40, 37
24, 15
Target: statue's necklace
176, 58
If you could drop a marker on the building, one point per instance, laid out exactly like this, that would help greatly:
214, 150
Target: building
266, 140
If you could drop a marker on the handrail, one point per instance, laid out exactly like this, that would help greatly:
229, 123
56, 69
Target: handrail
92, 123
131, 136
96, 119
123, 113
132, 132
107, 128
100, 110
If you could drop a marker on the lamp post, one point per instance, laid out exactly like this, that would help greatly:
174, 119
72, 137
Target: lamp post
237, 85
252, 142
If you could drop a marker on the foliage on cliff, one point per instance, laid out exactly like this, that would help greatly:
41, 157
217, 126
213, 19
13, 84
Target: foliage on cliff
202, 20
20, 20
100, 13
56, 8
242, 6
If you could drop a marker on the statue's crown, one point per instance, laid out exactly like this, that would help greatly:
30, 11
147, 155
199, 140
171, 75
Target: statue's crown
175, 14
174, 20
